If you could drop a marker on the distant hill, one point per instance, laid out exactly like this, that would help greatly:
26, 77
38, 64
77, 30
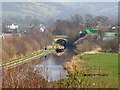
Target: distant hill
34, 10
53, 10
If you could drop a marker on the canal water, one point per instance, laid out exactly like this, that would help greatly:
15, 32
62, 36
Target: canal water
51, 67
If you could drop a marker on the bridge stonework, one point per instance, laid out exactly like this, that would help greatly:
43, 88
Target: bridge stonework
60, 37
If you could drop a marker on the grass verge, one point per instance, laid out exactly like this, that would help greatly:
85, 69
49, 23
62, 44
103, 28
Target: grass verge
101, 71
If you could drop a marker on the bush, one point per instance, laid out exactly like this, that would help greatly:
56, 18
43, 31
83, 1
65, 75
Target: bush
15, 46
86, 44
110, 46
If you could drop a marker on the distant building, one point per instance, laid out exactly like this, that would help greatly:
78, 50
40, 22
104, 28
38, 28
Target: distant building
42, 29
109, 35
112, 28
13, 26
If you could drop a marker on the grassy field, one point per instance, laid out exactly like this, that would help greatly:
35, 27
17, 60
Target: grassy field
93, 71
102, 64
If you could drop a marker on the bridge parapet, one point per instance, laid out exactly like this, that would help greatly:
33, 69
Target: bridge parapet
57, 37
60, 36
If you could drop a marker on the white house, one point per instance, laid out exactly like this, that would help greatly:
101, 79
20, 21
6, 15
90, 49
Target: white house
42, 29
113, 28
13, 26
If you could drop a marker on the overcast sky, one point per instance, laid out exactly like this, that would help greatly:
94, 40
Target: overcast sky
60, 0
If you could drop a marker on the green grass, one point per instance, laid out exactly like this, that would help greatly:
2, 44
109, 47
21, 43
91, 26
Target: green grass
101, 63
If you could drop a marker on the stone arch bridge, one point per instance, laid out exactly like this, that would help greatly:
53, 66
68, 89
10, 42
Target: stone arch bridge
58, 37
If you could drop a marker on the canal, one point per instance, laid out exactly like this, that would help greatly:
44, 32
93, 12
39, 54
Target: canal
51, 67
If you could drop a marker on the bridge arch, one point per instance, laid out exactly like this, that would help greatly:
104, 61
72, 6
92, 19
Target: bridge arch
61, 42
60, 37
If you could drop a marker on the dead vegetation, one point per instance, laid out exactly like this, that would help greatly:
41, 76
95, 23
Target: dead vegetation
22, 77
14, 46
70, 66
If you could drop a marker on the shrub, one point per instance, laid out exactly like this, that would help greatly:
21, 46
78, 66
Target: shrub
86, 44
15, 46
110, 45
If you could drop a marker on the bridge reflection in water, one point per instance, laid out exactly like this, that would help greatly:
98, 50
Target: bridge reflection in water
61, 48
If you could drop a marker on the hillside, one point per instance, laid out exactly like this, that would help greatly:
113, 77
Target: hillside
46, 11
34, 10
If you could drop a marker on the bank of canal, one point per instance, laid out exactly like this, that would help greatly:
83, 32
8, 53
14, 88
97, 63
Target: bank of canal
30, 57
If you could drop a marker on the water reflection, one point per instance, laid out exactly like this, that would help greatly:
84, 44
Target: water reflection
51, 68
